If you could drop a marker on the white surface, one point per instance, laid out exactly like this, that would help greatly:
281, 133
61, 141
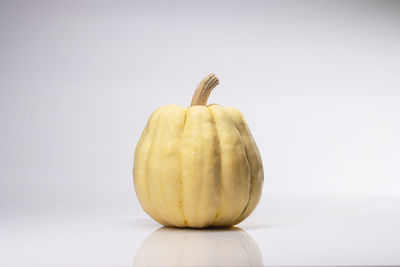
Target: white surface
319, 232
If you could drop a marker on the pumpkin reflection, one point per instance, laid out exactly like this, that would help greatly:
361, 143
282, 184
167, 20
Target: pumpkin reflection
188, 247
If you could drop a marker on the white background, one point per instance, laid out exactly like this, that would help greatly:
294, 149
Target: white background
318, 82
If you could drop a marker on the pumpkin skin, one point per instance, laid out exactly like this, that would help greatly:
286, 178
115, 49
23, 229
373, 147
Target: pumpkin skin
197, 167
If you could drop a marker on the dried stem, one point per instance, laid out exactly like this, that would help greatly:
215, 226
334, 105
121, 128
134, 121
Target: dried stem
204, 89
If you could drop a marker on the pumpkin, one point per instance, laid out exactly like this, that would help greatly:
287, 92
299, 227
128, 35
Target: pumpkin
198, 166
188, 247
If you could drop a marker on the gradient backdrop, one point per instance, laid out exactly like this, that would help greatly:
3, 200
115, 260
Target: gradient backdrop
319, 83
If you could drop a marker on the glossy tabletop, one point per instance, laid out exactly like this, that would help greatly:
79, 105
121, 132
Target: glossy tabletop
282, 232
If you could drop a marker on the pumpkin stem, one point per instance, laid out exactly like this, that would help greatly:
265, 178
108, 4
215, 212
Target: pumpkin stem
204, 89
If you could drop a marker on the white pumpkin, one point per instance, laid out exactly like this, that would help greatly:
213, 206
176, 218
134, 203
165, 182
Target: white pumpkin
198, 166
